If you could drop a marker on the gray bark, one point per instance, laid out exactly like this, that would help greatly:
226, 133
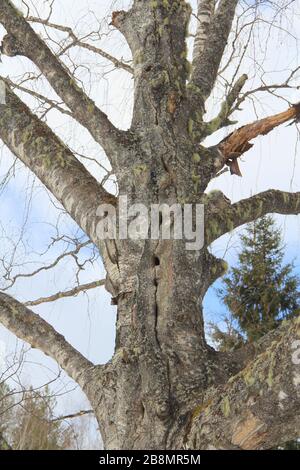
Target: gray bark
164, 388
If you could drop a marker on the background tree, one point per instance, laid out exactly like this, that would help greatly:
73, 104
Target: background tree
6, 405
29, 416
164, 387
260, 291
28, 421
228, 337
35, 427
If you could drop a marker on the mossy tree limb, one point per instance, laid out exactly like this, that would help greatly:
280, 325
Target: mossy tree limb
20, 40
36, 145
39, 334
252, 208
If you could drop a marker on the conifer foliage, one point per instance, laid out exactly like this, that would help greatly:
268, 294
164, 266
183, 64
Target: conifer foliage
261, 290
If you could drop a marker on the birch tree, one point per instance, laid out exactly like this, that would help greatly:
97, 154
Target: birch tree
165, 387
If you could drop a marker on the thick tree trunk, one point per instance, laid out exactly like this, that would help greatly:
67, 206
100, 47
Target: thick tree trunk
161, 360
165, 388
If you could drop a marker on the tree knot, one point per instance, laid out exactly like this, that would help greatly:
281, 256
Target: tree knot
117, 18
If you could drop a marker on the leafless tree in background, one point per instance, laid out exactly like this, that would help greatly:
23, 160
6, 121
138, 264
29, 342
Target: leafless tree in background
28, 418
164, 388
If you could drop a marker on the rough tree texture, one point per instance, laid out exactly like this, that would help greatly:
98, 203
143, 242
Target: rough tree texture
164, 387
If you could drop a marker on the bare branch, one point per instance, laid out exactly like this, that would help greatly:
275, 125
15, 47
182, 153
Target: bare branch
77, 42
73, 415
38, 96
205, 13
31, 328
287, 84
69, 293
252, 208
52, 265
22, 40
206, 64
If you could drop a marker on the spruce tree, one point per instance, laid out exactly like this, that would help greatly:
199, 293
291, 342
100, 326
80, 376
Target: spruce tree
261, 290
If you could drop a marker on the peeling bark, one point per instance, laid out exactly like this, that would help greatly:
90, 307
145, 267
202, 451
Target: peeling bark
238, 142
206, 9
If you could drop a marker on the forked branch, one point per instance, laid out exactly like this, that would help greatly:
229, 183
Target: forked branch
23, 40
